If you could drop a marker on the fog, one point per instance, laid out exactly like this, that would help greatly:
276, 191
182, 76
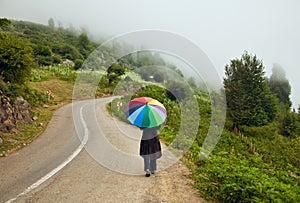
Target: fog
222, 29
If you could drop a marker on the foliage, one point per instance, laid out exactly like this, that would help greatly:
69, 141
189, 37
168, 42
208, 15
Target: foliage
177, 90
78, 64
280, 86
290, 126
61, 42
32, 95
51, 23
62, 72
114, 72
68, 51
16, 58
144, 58
230, 177
4, 23
249, 99
84, 45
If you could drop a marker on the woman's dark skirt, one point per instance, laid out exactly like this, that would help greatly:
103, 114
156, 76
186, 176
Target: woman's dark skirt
151, 147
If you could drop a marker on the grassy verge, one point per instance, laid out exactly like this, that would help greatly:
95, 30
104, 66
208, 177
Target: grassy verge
26, 133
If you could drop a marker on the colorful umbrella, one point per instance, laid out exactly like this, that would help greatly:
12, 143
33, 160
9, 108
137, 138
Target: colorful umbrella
145, 112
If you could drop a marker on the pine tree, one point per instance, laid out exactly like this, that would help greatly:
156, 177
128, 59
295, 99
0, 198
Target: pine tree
249, 99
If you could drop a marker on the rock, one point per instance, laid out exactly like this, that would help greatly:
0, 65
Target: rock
7, 120
22, 110
68, 63
11, 114
46, 106
41, 124
35, 118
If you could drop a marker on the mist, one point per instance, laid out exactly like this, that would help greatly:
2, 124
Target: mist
222, 29
278, 73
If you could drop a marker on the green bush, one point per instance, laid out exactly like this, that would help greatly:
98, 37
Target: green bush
44, 60
267, 131
32, 95
16, 58
275, 148
234, 178
78, 64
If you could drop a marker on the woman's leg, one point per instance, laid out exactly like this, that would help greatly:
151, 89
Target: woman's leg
146, 162
153, 165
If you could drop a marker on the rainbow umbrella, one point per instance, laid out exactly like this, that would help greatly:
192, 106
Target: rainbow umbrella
145, 112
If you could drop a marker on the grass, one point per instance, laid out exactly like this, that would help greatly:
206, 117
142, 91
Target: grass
61, 94
26, 133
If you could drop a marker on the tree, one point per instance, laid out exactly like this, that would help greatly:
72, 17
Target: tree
280, 86
114, 72
84, 45
158, 76
70, 52
192, 82
16, 58
51, 23
177, 90
249, 99
4, 22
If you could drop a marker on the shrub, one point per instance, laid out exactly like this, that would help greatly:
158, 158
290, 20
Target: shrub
16, 58
267, 131
233, 178
32, 95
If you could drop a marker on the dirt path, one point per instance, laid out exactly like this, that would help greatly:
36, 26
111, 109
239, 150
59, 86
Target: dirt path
84, 179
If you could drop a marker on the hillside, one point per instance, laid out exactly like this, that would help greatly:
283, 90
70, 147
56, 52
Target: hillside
52, 55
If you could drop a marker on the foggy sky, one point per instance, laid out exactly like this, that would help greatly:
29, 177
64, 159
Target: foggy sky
222, 29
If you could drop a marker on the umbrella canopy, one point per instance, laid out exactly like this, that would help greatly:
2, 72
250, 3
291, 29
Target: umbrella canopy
145, 112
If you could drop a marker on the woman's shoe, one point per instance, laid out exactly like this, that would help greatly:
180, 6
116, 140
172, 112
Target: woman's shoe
148, 173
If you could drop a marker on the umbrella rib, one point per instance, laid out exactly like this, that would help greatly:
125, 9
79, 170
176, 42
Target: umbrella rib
136, 114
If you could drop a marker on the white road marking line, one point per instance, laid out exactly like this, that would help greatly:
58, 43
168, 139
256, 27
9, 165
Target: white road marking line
61, 166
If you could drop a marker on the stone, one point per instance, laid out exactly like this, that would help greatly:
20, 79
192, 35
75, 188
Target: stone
7, 120
68, 63
22, 110
11, 114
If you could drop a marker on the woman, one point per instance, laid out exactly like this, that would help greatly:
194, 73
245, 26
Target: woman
150, 149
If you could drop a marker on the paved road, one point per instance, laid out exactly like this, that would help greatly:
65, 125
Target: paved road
108, 169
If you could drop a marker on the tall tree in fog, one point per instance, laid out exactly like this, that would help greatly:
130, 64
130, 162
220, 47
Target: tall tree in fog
51, 23
249, 99
280, 85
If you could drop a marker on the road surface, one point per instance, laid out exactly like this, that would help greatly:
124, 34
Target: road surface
85, 155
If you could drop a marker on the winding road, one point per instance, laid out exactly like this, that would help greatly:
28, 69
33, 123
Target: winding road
85, 155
